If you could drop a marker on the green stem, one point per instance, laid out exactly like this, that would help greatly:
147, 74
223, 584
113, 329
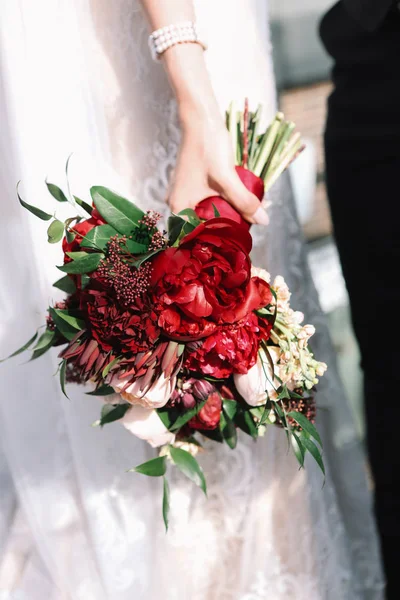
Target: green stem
267, 145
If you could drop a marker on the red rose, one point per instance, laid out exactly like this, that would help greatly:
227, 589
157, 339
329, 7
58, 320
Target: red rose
254, 184
116, 328
205, 281
209, 416
81, 229
230, 349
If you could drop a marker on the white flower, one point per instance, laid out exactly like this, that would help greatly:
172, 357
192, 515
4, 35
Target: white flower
257, 382
156, 397
260, 273
147, 425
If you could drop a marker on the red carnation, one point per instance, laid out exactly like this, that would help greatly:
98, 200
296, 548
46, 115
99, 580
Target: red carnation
230, 349
205, 209
209, 415
118, 328
205, 281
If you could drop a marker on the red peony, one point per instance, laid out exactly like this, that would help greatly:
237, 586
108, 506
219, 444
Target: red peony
205, 209
230, 349
132, 329
206, 281
81, 229
209, 416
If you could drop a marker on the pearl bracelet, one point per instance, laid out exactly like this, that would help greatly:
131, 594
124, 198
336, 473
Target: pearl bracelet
166, 37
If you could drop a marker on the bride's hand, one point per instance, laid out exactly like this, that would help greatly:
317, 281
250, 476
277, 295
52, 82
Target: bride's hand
206, 167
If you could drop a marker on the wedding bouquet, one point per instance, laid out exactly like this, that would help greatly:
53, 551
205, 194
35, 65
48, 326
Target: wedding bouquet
180, 335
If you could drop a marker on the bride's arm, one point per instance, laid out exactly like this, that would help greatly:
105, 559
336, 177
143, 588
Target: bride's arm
205, 164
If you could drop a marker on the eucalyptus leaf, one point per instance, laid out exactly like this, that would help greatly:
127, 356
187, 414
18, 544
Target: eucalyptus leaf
314, 451
45, 341
56, 192
55, 231
65, 284
98, 237
297, 448
117, 211
156, 467
103, 390
189, 467
33, 209
166, 503
111, 413
63, 370
228, 430
306, 425
22, 349
84, 205
87, 264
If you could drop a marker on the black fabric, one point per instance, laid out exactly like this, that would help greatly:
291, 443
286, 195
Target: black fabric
369, 13
362, 145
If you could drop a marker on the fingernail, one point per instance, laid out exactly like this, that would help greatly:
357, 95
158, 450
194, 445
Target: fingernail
261, 217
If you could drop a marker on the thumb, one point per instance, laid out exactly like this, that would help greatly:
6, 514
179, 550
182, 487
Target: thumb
246, 203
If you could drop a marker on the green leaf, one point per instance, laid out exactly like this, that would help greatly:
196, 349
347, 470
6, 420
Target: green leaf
22, 349
108, 367
63, 369
156, 467
45, 341
65, 329
297, 448
228, 430
244, 420
191, 214
103, 390
216, 211
84, 281
35, 211
212, 434
56, 192
77, 324
314, 451
98, 237
138, 263
55, 231
84, 205
117, 211
266, 413
165, 503
78, 254
165, 415
65, 284
70, 236
306, 425
230, 407
111, 413
136, 248
87, 264
175, 225
189, 467
189, 414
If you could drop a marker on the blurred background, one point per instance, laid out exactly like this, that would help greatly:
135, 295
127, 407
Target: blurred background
302, 71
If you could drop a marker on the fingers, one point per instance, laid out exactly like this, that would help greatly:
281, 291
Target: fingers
246, 203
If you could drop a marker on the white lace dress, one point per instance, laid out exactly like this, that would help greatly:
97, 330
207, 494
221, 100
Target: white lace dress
76, 75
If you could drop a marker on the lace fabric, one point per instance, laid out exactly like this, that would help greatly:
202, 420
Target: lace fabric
267, 531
